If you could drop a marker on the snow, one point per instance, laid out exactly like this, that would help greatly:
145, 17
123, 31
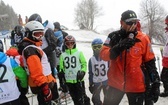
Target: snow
84, 39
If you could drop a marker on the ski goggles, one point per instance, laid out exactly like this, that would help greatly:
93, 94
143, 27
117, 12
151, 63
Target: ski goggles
69, 43
38, 34
131, 23
97, 46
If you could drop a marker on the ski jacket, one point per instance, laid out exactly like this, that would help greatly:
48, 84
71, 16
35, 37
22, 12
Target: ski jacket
97, 70
17, 69
71, 61
125, 71
36, 61
49, 45
8, 86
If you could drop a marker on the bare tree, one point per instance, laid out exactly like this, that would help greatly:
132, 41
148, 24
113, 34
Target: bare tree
86, 13
152, 16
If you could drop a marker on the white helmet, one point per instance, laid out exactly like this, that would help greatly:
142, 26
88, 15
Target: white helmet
34, 30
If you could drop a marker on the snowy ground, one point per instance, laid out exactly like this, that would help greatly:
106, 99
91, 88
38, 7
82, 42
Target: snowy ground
84, 39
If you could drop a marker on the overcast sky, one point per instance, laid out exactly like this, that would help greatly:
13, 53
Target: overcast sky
63, 10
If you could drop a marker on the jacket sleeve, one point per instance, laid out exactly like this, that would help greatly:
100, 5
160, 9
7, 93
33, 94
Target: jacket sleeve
51, 40
61, 63
90, 72
20, 73
149, 60
35, 69
83, 62
33, 60
105, 51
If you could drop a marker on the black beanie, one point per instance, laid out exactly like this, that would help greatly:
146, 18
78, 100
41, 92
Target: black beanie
57, 25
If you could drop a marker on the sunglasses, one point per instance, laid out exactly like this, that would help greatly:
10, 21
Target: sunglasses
69, 43
97, 47
130, 23
38, 34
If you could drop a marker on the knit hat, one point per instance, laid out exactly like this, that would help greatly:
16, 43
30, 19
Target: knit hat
56, 25
128, 16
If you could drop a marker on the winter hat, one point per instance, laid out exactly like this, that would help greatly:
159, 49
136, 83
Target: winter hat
57, 25
128, 16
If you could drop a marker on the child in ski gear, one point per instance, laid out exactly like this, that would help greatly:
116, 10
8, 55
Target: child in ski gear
49, 43
40, 78
12, 52
97, 72
10, 70
17, 35
72, 69
164, 73
127, 49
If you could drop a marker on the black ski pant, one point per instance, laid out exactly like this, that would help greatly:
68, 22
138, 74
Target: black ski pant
78, 94
96, 94
14, 102
114, 97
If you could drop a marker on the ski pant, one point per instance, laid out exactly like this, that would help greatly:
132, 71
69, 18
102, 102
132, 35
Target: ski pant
62, 81
54, 91
41, 100
96, 94
22, 97
114, 97
14, 102
164, 78
78, 94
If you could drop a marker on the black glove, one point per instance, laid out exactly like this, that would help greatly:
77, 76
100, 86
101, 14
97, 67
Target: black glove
61, 75
80, 75
58, 52
126, 43
121, 46
155, 91
91, 88
46, 92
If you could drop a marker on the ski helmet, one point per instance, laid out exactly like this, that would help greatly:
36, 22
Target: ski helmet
19, 30
69, 42
97, 41
96, 46
35, 17
34, 30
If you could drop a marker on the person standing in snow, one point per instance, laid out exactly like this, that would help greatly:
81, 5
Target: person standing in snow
49, 43
97, 72
73, 67
127, 49
40, 77
17, 35
12, 52
10, 70
164, 73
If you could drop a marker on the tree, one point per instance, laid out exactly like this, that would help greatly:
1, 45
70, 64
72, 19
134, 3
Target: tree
9, 18
86, 13
152, 16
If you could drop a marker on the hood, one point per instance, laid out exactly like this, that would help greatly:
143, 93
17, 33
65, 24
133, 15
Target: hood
47, 24
12, 51
3, 57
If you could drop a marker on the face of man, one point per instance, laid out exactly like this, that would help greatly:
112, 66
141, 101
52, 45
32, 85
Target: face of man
129, 26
